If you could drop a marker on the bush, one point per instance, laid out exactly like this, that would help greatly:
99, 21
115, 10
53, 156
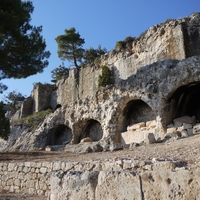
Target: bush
120, 45
106, 78
32, 121
125, 44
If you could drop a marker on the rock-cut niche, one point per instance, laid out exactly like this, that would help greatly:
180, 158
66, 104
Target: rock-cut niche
93, 130
60, 135
136, 111
185, 101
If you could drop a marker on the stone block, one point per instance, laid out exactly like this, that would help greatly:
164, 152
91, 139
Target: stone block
43, 170
175, 185
184, 119
196, 129
187, 126
171, 130
74, 185
118, 185
151, 124
184, 133
138, 136
87, 139
150, 138
136, 126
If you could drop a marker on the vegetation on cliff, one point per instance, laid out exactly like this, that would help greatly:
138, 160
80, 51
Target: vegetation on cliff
106, 78
32, 121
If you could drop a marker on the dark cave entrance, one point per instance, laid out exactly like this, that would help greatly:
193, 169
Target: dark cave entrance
185, 101
93, 130
136, 111
60, 135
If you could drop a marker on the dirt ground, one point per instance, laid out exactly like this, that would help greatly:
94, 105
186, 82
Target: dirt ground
183, 149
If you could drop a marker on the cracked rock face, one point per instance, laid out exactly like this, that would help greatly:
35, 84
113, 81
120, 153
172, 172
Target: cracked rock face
158, 84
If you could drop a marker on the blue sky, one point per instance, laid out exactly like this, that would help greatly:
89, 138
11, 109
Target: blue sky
99, 22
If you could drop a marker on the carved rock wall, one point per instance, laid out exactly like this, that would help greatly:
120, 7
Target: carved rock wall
159, 87
175, 39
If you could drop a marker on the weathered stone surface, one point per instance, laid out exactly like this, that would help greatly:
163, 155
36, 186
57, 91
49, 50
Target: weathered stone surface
87, 139
74, 185
118, 185
142, 92
196, 129
184, 120
166, 184
136, 126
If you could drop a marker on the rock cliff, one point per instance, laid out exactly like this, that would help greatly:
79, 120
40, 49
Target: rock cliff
154, 83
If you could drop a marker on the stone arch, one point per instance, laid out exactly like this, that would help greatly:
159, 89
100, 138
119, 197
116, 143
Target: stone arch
136, 111
60, 135
90, 128
184, 101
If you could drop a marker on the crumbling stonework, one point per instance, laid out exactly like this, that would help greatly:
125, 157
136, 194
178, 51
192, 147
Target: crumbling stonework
97, 180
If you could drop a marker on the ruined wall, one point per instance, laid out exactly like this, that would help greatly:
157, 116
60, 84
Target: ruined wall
41, 95
109, 179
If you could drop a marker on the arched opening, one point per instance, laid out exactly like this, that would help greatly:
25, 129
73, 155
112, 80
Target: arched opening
138, 121
136, 111
60, 135
93, 130
185, 101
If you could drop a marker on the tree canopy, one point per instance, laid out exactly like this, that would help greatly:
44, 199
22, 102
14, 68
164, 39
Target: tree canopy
91, 54
4, 123
70, 46
59, 73
22, 48
12, 99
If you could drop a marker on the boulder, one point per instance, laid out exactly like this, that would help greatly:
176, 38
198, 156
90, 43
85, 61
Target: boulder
184, 119
87, 139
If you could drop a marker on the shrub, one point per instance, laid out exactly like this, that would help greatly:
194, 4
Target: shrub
106, 78
32, 121
120, 45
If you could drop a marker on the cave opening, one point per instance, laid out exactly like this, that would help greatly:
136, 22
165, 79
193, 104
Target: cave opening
136, 111
185, 101
60, 135
93, 130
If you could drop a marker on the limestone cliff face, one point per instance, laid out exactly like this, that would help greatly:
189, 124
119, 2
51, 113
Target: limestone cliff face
174, 39
158, 80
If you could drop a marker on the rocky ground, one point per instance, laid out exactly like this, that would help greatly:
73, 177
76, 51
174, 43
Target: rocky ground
183, 149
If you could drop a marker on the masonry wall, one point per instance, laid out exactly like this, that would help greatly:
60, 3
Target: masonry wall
113, 179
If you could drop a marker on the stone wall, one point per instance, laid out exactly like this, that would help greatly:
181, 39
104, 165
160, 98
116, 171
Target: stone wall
41, 95
108, 179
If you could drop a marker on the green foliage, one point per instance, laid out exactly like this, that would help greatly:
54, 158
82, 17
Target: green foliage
125, 44
91, 54
70, 46
59, 73
12, 99
22, 48
32, 121
120, 45
106, 78
4, 123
